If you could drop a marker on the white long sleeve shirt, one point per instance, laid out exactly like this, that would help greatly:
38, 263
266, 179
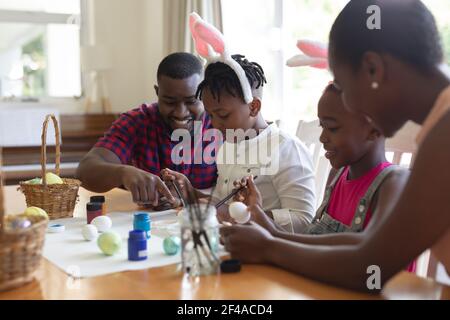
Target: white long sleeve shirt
285, 175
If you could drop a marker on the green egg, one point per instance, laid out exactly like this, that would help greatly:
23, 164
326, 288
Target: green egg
171, 245
35, 181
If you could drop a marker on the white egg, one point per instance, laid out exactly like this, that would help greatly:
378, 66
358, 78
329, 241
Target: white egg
89, 232
102, 223
239, 212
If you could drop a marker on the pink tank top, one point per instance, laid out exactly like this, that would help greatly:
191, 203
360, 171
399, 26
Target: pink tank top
346, 194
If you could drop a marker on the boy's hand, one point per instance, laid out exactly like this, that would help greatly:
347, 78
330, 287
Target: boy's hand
250, 195
145, 187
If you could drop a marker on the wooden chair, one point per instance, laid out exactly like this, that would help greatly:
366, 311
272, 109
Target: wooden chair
402, 148
309, 133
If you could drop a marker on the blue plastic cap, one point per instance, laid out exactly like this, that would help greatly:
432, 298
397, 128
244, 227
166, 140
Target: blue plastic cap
142, 216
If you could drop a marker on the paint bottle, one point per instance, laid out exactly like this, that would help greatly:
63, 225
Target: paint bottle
142, 222
99, 199
93, 210
137, 245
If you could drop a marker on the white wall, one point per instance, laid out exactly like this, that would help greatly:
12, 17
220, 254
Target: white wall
153, 44
133, 31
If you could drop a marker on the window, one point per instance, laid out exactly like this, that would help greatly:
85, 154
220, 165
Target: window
267, 31
39, 48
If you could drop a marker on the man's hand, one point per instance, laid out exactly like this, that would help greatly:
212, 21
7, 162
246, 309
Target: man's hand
146, 188
170, 176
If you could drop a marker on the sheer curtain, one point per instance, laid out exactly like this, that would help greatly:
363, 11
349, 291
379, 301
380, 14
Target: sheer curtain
177, 36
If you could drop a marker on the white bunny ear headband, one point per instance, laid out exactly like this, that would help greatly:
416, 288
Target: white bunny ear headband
210, 44
315, 55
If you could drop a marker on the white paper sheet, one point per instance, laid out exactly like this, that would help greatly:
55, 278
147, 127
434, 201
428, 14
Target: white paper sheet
80, 258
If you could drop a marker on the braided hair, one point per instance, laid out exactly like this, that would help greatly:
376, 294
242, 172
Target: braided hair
219, 76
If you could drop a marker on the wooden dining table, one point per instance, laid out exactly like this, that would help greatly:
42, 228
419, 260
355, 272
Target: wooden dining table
253, 282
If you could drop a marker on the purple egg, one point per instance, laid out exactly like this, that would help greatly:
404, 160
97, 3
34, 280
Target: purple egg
20, 223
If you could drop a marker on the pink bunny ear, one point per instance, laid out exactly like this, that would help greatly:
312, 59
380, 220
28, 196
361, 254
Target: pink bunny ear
303, 61
210, 43
206, 34
313, 48
200, 46
315, 55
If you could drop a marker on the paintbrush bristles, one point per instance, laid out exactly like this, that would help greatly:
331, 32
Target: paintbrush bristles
180, 195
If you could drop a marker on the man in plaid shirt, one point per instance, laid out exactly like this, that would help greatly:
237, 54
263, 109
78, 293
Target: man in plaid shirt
138, 145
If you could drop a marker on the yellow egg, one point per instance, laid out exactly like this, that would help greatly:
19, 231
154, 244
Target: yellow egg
35, 211
53, 178
109, 243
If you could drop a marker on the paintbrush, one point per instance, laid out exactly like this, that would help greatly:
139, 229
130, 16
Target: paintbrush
231, 195
177, 190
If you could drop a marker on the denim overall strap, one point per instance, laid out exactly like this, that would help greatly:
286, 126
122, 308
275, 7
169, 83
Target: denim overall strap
365, 202
326, 199
327, 224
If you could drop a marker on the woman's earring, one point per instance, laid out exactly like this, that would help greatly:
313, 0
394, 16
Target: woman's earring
375, 85
368, 119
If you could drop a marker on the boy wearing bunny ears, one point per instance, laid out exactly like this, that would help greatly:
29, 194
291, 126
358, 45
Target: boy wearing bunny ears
232, 92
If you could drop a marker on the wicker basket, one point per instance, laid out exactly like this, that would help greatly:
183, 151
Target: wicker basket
58, 200
20, 250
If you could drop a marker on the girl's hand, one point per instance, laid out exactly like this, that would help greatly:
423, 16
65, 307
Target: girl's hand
248, 243
223, 215
260, 217
250, 195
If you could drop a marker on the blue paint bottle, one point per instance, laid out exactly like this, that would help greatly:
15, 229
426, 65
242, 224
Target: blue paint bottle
142, 222
137, 245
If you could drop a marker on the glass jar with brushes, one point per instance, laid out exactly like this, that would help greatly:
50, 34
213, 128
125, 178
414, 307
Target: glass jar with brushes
199, 239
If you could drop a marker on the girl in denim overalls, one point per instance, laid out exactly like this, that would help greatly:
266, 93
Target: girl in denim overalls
357, 153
